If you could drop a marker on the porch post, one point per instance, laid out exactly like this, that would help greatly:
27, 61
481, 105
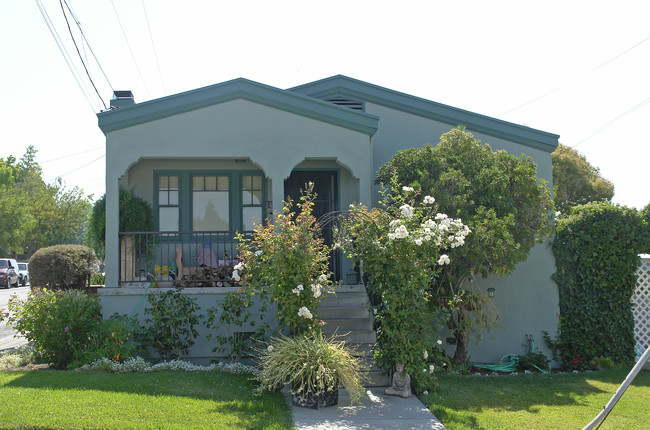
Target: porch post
112, 257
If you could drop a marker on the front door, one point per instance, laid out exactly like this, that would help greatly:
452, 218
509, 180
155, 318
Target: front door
326, 190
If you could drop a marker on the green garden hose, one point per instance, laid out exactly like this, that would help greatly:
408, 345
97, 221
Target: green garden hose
507, 364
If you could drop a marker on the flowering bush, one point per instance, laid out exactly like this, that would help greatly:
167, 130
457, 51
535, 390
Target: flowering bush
287, 262
401, 249
139, 365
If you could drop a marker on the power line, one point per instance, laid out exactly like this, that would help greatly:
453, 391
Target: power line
601, 129
64, 52
155, 53
78, 168
83, 35
576, 79
130, 50
72, 155
79, 53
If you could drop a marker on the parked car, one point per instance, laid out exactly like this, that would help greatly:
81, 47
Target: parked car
23, 273
8, 272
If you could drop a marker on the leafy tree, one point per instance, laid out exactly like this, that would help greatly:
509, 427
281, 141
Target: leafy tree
576, 181
499, 196
135, 215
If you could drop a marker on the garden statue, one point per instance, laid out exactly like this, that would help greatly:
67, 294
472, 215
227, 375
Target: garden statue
401, 383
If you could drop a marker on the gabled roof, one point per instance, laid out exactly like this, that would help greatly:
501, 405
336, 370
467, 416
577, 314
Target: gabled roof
346, 87
240, 88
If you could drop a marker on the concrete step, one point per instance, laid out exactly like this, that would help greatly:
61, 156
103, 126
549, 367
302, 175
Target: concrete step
345, 325
353, 337
339, 312
376, 378
350, 289
345, 300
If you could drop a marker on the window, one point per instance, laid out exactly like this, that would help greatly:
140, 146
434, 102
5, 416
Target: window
251, 201
210, 203
168, 216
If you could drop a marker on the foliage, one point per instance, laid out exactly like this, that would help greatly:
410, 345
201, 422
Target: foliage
62, 267
310, 363
170, 325
140, 365
135, 215
596, 251
286, 262
576, 181
97, 278
499, 197
60, 324
539, 401
171, 400
234, 313
534, 362
400, 248
22, 356
115, 340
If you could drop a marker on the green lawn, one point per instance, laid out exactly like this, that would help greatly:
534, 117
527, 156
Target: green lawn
170, 400
560, 401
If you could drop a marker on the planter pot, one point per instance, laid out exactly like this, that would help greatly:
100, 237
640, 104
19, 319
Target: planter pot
312, 401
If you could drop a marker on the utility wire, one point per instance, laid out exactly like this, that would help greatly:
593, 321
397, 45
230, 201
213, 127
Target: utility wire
578, 78
155, 53
78, 168
64, 52
83, 35
130, 50
79, 53
639, 106
71, 155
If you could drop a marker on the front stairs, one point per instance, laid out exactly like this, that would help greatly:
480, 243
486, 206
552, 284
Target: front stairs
346, 313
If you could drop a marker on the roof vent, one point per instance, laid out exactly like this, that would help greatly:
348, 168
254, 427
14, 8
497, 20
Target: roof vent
121, 99
351, 104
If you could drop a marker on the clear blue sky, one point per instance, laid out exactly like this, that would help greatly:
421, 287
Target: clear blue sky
579, 69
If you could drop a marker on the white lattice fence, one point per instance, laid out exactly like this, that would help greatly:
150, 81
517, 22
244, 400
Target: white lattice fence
641, 307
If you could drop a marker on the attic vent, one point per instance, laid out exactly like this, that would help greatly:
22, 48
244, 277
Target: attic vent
346, 103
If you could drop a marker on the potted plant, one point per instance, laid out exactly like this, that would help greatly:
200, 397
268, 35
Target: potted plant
313, 366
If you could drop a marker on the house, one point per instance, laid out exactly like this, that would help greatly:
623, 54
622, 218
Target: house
216, 159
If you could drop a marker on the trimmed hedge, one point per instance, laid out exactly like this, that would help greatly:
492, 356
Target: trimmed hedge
596, 250
62, 267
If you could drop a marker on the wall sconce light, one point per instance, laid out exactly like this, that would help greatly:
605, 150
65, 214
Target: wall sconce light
490, 292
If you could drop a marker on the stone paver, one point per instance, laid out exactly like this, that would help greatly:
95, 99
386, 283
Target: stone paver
377, 411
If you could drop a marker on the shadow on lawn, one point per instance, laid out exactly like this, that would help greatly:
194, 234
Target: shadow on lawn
230, 393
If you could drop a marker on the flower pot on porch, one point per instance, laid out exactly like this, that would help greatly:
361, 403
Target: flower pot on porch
315, 401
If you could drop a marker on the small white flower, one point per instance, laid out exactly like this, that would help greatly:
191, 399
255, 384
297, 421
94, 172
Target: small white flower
297, 290
395, 223
239, 266
428, 200
235, 276
424, 370
407, 211
425, 392
440, 217
407, 189
316, 289
418, 242
439, 342
431, 368
401, 232
426, 354
259, 252
444, 259
322, 278
304, 312
269, 348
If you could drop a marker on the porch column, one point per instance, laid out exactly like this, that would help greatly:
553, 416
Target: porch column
112, 232
277, 192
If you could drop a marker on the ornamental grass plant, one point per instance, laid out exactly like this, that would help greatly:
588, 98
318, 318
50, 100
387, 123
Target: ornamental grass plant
310, 363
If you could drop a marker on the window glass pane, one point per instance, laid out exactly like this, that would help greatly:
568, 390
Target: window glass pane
173, 198
210, 211
197, 183
257, 197
168, 219
173, 182
246, 197
250, 216
223, 183
163, 198
211, 183
257, 182
246, 182
163, 182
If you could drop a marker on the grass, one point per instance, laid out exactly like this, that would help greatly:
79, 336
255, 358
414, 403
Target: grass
558, 401
169, 399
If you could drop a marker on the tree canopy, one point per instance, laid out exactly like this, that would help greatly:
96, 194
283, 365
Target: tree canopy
576, 181
499, 196
34, 214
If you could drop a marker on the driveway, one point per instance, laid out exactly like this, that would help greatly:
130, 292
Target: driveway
7, 339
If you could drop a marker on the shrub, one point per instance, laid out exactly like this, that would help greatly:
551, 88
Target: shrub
596, 250
170, 327
116, 339
62, 267
59, 323
535, 362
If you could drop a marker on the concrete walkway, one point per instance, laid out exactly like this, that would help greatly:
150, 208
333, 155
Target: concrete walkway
378, 412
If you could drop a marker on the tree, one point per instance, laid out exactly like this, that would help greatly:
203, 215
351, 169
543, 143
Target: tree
497, 195
576, 181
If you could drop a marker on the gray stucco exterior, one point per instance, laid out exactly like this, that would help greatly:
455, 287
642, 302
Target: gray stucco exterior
247, 126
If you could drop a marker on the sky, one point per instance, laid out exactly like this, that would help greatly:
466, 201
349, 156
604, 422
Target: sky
579, 69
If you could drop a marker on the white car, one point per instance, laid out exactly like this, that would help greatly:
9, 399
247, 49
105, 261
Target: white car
23, 273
